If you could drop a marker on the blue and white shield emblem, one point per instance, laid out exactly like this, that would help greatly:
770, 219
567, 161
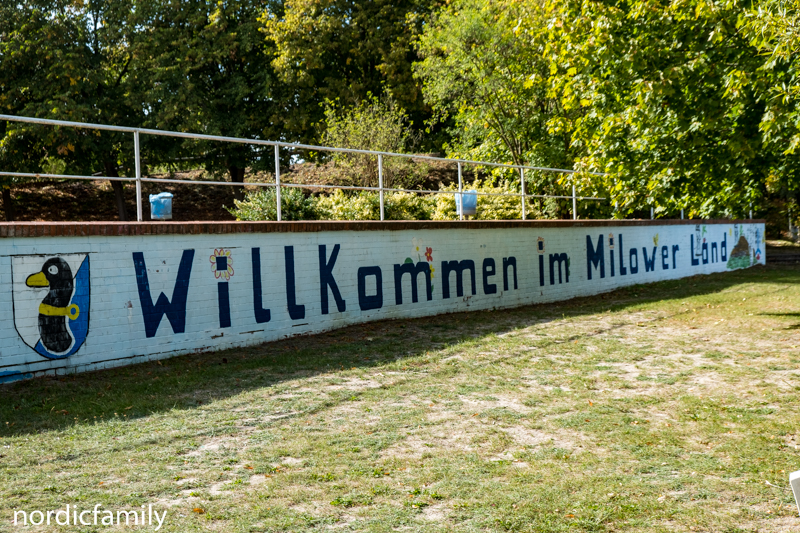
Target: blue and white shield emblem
51, 302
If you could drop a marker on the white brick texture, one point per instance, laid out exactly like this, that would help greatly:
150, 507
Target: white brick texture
156, 296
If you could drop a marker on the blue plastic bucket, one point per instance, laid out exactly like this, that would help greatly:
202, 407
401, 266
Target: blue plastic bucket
467, 203
161, 206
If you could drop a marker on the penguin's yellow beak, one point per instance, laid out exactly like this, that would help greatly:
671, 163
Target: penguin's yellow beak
37, 280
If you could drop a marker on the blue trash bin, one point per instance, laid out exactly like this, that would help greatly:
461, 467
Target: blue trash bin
161, 206
467, 203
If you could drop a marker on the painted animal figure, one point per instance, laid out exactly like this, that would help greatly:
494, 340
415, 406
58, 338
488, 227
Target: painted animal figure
55, 310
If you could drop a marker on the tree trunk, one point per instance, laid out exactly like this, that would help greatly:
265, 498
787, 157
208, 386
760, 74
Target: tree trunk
119, 191
8, 205
237, 176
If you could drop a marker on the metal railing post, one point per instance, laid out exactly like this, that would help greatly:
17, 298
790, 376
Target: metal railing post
460, 197
574, 204
380, 181
751, 210
616, 204
522, 180
278, 182
652, 214
681, 214
138, 162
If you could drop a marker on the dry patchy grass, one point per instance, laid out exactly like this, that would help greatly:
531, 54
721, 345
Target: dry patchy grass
666, 407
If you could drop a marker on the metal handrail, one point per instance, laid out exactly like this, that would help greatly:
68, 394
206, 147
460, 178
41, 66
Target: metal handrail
278, 184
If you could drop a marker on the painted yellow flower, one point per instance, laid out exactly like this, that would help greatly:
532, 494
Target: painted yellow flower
222, 264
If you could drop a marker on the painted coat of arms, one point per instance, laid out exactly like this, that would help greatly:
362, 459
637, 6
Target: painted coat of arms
51, 302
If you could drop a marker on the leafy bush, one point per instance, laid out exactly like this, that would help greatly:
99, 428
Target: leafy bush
260, 205
378, 125
409, 206
341, 206
489, 207
366, 205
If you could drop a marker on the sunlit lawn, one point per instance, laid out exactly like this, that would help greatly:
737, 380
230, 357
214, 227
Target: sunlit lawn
665, 407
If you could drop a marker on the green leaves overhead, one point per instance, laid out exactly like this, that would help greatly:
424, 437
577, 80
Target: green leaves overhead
344, 50
208, 71
683, 104
483, 65
677, 100
71, 61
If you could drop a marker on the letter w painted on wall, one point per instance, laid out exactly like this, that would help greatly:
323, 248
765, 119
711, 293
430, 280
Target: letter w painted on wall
176, 309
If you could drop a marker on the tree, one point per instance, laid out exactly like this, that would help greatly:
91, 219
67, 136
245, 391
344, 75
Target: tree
674, 95
208, 72
376, 124
71, 61
774, 29
344, 50
483, 65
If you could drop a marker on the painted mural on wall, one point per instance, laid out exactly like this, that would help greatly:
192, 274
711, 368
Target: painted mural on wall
169, 294
746, 252
51, 300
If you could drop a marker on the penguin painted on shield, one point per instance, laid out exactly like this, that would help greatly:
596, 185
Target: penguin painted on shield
56, 309
51, 306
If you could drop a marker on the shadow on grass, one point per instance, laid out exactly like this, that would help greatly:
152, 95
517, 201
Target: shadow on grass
785, 315
185, 382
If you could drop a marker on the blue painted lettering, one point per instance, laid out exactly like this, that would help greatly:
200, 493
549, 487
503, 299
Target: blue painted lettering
374, 301
509, 262
296, 312
262, 315
326, 280
458, 267
595, 257
176, 309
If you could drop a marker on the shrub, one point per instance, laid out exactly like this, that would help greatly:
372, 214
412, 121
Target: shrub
354, 206
378, 125
409, 206
366, 205
260, 205
489, 207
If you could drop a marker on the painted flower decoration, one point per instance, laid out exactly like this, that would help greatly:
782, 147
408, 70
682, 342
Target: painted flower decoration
416, 246
222, 264
429, 253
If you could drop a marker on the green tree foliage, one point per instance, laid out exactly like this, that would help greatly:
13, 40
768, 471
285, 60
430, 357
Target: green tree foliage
208, 71
378, 125
261, 205
683, 104
673, 97
492, 206
339, 205
482, 64
344, 50
774, 29
68, 60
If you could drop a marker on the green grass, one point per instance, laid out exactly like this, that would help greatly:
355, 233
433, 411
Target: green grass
665, 407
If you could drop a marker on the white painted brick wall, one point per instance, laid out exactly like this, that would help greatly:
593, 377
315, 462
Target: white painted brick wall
116, 330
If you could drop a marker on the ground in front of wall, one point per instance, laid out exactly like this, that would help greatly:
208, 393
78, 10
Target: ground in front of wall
657, 408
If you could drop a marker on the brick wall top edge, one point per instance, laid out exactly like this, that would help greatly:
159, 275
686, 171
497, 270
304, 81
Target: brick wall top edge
81, 229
